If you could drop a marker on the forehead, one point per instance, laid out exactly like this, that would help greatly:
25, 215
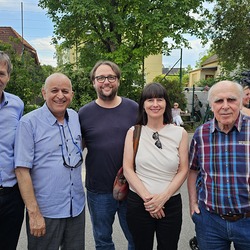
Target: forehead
59, 83
226, 91
3, 66
104, 69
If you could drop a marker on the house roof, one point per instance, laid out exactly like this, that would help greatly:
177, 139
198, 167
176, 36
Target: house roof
211, 59
7, 32
173, 71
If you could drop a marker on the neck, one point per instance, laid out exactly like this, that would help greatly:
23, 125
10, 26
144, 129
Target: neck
225, 128
109, 104
155, 124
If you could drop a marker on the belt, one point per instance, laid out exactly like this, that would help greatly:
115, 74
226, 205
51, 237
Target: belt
234, 217
6, 190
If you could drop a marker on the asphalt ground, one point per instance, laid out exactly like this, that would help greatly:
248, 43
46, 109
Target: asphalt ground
187, 231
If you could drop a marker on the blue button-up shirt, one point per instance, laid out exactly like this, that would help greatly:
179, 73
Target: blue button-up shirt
223, 162
40, 143
11, 110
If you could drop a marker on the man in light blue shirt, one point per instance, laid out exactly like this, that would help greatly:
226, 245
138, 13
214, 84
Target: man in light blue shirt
11, 203
48, 160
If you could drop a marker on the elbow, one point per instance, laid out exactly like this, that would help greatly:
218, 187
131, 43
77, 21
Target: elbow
21, 172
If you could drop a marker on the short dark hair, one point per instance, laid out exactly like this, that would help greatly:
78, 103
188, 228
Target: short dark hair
154, 90
112, 65
4, 58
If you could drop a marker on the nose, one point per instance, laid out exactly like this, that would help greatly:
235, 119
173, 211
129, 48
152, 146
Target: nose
106, 80
225, 104
155, 102
60, 94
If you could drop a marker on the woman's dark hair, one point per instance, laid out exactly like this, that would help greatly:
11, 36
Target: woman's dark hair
154, 90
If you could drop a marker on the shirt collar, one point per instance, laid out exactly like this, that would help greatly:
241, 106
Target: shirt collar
237, 124
4, 101
51, 118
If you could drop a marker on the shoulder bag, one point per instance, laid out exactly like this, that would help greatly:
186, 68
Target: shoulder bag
120, 187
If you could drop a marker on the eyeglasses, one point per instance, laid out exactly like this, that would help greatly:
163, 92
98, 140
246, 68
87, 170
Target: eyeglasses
78, 164
101, 79
78, 152
155, 136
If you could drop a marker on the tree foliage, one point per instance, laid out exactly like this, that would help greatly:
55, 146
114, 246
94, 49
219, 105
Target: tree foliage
204, 56
26, 78
174, 89
230, 33
124, 31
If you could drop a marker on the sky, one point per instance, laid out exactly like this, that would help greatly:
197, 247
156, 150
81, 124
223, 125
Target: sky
37, 30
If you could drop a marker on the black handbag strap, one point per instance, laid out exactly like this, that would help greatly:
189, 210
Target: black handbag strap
136, 138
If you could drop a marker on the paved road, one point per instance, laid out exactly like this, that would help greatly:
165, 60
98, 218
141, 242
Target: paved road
120, 242
187, 231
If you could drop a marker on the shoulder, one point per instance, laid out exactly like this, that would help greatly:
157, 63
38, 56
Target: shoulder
128, 101
71, 112
87, 106
13, 98
245, 111
128, 106
31, 119
178, 129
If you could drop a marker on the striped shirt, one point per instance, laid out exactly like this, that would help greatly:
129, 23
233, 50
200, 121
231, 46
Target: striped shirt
223, 162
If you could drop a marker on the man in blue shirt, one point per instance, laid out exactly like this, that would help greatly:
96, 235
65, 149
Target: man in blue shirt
11, 203
48, 160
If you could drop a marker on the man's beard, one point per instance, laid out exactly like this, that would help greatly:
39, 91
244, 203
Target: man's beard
109, 97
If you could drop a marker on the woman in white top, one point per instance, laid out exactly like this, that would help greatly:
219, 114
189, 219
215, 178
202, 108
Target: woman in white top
176, 113
154, 200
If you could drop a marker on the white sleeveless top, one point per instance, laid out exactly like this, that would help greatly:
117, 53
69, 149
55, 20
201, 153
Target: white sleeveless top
156, 167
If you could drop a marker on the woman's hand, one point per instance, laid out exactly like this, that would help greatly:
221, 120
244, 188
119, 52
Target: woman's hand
154, 204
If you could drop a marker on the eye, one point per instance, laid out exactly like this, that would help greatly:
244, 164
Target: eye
231, 99
160, 99
218, 101
100, 78
65, 92
111, 78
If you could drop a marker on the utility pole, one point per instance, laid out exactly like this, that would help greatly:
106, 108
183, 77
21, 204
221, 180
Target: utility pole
181, 68
22, 29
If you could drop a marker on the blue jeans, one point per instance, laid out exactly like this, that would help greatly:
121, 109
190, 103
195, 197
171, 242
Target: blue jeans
102, 209
213, 232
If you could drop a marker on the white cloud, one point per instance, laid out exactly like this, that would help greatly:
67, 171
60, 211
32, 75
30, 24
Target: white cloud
189, 56
43, 43
45, 50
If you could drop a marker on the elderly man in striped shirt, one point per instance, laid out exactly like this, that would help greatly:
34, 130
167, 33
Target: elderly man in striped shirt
219, 178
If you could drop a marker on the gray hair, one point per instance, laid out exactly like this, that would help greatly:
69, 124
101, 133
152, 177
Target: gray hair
4, 58
213, 88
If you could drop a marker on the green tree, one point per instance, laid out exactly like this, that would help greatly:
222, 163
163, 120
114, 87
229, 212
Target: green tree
204, 56
174, 89
124, 31
230, 33
26, 78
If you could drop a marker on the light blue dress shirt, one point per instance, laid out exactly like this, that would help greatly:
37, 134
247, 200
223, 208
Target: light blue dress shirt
58, 189
11, 110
